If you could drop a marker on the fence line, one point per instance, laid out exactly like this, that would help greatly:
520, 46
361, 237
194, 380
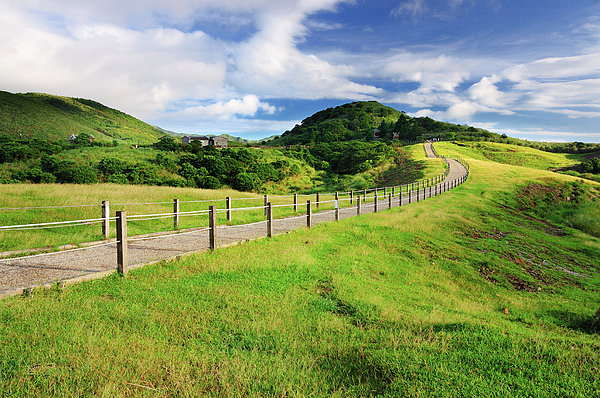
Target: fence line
405, 194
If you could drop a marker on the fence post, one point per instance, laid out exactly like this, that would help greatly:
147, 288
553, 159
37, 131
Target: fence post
337, 207
400, 197
358, 205
318, 199
390, 201
351, 197
106, 220
394, 191
212, 224
409, 192
308, 214
175, 213
228, 204
384, 192
365, 196
122, 255
269, 220
375, 200
266, 200
295, 202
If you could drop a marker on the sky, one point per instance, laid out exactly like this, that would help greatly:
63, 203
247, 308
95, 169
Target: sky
255, 68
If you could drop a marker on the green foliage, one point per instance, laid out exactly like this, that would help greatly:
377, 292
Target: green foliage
167, 143
591, 166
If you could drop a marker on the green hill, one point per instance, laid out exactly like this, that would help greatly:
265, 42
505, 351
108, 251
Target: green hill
55, 118
357, 120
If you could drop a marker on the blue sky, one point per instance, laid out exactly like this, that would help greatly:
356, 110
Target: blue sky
530, 69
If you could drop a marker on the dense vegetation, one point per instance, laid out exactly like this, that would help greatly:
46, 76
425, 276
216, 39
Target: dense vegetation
54, 118
357, 120
493, 298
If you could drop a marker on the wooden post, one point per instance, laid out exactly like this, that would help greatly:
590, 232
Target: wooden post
358, 205
390, 201
400, 197
393, 191
269, 220
308, 214
295, 203
228, 204
122, 255
212, 224
337, 207
409, 195
351, 197
318, 200
106, 220
384, 191
375, 201
265, 203
175, 213
365, 196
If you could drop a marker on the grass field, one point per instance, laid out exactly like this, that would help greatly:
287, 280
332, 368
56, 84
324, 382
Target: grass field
16, 201
461, 295
521, 156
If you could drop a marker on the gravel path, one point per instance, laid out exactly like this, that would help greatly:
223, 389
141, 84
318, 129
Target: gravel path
100, 260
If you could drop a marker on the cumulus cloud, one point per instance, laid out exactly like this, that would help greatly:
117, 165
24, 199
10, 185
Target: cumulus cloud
249, 105
115, 53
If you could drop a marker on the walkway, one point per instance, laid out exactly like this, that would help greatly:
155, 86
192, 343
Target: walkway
100, 260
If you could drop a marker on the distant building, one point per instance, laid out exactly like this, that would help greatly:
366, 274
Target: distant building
219, 142
188, 139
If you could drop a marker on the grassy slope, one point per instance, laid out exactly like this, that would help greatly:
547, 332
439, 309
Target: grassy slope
405, 303
521, 156
56, 118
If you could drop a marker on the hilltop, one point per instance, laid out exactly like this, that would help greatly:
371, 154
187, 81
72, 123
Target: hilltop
55, 118
357, 120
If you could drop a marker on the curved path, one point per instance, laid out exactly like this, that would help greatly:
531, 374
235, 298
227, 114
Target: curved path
98, 261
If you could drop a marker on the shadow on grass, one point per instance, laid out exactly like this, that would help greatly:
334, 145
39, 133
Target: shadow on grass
578, 322
357, 371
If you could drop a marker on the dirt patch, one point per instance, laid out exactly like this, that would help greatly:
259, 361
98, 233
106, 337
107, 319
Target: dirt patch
520, 284
475, 233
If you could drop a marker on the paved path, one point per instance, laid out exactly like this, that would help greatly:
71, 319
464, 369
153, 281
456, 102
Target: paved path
98, 261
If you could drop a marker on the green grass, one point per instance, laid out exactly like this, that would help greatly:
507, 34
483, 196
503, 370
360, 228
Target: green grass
55, 118
407, 302
521, 156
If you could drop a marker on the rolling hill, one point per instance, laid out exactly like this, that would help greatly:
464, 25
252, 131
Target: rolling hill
55, 118
357, 120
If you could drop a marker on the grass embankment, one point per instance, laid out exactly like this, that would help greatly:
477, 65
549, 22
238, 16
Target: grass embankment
465, 294
521, 156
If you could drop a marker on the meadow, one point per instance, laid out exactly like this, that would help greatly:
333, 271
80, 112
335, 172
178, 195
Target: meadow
465, 294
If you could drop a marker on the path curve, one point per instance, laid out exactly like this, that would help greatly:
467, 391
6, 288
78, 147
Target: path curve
98, 261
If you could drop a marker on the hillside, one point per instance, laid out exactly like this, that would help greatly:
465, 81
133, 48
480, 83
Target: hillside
55, 118
357, 120
478, 292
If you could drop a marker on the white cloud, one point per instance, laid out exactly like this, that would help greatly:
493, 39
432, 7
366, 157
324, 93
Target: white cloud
249, 105
413, 8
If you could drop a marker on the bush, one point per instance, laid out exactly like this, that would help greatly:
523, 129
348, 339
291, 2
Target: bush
246, 181
117, 179
208, 182
110, 165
